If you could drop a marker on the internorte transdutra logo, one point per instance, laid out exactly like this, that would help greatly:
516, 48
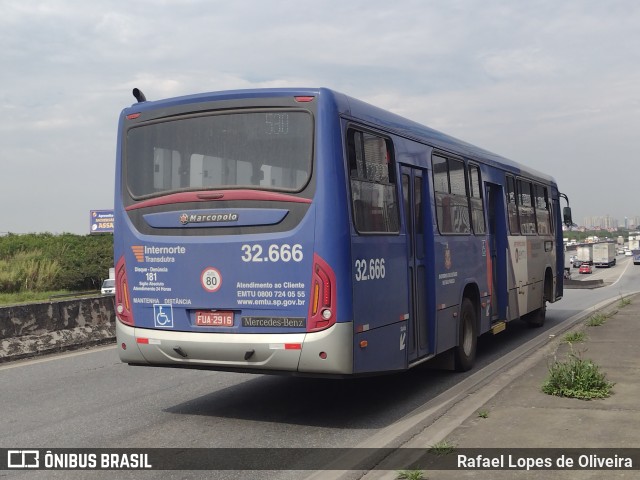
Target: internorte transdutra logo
152, 253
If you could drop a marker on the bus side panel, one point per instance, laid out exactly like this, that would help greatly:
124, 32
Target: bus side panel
380, 308
518, 254
382, 349
459, 258
529, 261
447, 329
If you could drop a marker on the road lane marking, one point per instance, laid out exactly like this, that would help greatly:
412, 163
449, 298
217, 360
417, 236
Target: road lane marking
52, 357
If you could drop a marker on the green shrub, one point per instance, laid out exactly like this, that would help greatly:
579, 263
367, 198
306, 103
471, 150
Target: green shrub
577, 378
28, 271
47, 262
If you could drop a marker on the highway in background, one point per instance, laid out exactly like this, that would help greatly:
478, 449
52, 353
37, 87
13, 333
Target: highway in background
91, 400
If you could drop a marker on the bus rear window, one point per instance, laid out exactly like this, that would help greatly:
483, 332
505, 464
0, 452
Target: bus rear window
266, 150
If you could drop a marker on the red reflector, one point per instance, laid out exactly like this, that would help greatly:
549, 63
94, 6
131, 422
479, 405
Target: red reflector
304, 99
142, 340
133, 116
293, 346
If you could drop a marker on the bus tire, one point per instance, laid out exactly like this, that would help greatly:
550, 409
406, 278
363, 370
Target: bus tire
465, 352
536, 318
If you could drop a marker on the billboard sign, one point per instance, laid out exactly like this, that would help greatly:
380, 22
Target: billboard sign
101, 221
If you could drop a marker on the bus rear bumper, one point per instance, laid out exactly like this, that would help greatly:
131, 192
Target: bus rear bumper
327, 352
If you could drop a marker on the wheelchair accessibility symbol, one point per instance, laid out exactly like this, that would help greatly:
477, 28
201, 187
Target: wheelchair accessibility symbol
163, 315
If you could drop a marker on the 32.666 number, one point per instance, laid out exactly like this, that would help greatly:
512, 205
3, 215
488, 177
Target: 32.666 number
369, 270
273, 253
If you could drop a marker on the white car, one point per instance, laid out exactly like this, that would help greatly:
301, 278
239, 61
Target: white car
108, 287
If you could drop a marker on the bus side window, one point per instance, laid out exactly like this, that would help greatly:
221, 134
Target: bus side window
460, 197
441, 192
525, 208
373, 190
542, 210
512, 207
477, 205
451, 195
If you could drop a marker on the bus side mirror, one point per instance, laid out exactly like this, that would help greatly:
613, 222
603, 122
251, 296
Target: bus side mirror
566, 214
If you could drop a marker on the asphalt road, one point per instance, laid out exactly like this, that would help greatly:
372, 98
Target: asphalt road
90, 400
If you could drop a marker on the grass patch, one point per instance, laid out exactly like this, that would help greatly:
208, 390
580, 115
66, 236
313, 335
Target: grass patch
577, 378
411, 475
624, 301
596, 320
442, 448
483, 413
575, 337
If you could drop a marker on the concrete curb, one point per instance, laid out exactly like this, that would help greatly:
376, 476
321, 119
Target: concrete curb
580, 284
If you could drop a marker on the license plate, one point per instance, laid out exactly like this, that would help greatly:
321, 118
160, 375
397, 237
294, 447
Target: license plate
207, 318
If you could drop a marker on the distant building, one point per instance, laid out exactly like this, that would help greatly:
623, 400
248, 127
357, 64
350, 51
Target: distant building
606, 222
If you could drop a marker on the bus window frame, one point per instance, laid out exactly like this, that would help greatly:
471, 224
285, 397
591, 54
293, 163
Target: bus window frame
511, 187
520, 191
392, 172
470, 166
547, 208
448, 157
533, 186
208, 113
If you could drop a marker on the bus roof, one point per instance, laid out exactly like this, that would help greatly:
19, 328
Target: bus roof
358, 109
410, 129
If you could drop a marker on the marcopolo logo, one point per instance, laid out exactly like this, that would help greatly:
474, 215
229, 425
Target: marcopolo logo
186, 218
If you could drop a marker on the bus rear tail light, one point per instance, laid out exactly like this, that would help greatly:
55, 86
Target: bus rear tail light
322, 310
123, 303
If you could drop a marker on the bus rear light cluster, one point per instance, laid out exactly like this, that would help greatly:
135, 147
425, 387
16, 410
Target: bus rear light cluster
323, 295
123, 304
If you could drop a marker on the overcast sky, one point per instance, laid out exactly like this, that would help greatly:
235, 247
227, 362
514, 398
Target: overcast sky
552, 84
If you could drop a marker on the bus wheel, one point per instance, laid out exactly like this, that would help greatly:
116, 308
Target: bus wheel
465, 352
536, 318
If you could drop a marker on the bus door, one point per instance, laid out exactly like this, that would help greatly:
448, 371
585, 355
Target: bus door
412, 194
498, 249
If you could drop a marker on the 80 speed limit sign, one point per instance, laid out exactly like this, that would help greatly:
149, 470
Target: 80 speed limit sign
211, 279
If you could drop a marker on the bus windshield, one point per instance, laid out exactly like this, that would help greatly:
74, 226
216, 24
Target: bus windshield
261, 149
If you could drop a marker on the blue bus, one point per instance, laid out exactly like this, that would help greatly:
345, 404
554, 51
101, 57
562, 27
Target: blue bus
303, 231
